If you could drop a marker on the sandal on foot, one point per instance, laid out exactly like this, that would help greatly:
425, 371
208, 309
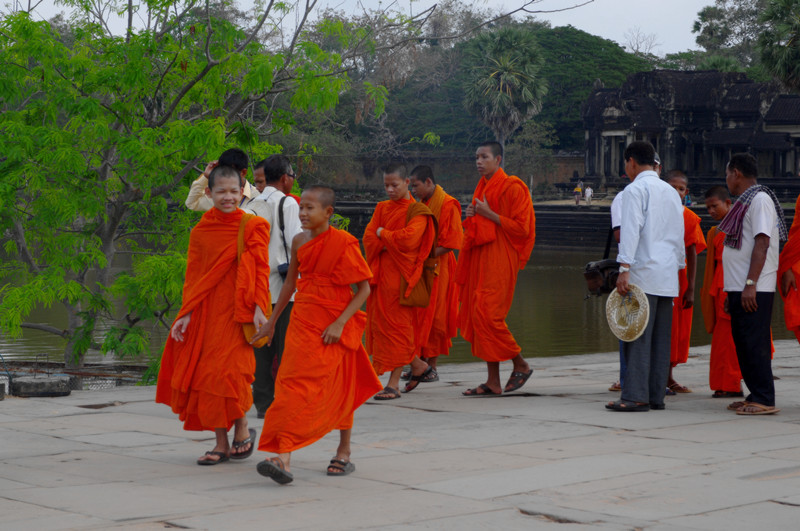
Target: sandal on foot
405, 375
274, 469
209, 462
481, 390
415, 379
388, 393
678, 388
756, 409
727, 394
627, 406
339, 467
736, 406
517, 380
251, 440
615, 387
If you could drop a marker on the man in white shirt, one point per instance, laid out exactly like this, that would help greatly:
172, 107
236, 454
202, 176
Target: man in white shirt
279, 177
651, 251
754, 228
236, 159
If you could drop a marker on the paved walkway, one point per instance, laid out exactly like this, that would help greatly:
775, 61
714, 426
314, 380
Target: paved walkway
549, 456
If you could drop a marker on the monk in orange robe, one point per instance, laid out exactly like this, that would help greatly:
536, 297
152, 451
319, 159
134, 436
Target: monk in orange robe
207, 366
725, 378
447, 211
325, 372
788, 272
500, 230
397, 240
683, 304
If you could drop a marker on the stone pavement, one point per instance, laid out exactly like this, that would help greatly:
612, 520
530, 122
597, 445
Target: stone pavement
547, 457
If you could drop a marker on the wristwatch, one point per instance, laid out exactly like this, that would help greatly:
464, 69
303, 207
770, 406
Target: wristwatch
749, 282
623, 269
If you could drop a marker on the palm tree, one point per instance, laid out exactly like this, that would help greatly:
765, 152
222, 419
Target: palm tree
504, 88
779, 43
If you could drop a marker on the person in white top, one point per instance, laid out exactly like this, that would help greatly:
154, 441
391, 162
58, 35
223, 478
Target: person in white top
273, 201
235, 158
651, 251
754, 227
587, 194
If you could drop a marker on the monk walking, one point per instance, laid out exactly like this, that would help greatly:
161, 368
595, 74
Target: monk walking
500, 230
325, 372
207, 365
397, 240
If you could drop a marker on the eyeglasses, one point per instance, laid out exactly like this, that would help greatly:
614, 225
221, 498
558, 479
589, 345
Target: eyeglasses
292, 175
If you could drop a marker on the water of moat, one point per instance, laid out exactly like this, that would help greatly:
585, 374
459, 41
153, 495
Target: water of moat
550, 316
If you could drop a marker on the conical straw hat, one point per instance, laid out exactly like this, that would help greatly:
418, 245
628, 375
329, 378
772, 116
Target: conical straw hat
627, 316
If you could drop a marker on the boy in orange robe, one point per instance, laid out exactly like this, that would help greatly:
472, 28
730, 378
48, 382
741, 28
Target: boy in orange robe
500, 230
396, 245
325, 372
788, 271
447, 211
682, 306
725, 378
207, 366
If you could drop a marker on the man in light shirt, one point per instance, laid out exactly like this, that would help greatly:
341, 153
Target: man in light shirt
651, 251
279, 177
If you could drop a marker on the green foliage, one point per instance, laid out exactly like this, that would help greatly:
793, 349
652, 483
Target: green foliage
730, 28
779, 43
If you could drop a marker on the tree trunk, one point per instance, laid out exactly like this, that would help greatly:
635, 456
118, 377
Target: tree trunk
73, 323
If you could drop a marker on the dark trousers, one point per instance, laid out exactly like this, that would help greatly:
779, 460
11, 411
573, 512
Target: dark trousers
266, 356
647, 358
751, 335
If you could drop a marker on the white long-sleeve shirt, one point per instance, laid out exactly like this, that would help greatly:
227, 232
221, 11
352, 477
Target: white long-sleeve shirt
651, 235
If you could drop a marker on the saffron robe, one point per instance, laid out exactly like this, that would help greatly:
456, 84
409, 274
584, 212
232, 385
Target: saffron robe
488, 264
206, 378
319, 386
682, 317
790, 259
395, 333
447, 211
724, 373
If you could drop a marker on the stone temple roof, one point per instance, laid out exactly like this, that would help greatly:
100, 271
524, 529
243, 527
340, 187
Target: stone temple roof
785, 110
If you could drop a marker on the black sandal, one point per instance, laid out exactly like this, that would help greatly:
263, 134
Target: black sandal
251, 440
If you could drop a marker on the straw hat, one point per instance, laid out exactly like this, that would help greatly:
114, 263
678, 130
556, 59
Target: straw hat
627, 316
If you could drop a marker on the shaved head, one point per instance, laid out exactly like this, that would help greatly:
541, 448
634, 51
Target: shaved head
324, 194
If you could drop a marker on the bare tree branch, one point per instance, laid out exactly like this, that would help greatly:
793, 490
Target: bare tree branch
46, 328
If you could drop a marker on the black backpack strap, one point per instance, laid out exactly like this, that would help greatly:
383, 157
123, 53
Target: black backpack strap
282, 226
608, 243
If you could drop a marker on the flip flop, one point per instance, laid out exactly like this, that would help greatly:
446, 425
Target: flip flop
342, 467
727, 394
678, 388
426, 376
485, 391
517, 380
615, 387
736, 406
760, 409
207, 462
391, 391
274, 469
625, 406
251, 440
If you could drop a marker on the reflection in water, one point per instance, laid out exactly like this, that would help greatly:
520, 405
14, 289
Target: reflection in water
549, 317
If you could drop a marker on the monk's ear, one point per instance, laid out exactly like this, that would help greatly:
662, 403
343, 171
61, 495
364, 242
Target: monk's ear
329, 211
208, 192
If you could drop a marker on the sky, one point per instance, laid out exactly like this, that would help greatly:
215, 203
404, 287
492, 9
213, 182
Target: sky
669, 20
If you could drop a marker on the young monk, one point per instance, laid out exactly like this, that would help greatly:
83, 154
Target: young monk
788, 272
325, 372
447, 211
682, 305
207, 366
725, 378
500, 230
397, 240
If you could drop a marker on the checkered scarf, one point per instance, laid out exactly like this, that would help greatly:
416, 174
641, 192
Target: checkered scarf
733, 222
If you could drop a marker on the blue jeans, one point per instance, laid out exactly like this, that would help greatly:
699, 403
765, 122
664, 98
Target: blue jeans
647, 358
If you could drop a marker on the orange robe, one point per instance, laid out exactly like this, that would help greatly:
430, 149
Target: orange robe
724, 373
488, 264
790, 259
682, 317
395, 333
319, 386
206, 378
447, 211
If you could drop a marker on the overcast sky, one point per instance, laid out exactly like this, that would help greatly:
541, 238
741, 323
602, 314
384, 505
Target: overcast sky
670, 20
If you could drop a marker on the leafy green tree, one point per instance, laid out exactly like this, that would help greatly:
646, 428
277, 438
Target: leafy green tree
730, 28
779, 43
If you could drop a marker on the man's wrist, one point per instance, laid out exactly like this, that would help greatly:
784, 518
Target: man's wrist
749, 282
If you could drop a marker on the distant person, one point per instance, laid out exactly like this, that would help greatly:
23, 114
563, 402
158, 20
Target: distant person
326, 373
724, 376
587, 194
683, 305
499, 234
651, 251
754, 228
234, 158
577, 193
207, 365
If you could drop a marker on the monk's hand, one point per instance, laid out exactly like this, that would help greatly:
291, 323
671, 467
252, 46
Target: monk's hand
378, 232
788, 282
265, 330
470, 210
688, 299
260, 321
482, 208
333, 333
622, 283
749, 299
210, 166
179, 327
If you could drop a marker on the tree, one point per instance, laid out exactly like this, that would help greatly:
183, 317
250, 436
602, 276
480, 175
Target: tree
730, 28
504, 88
779, 43
640, 43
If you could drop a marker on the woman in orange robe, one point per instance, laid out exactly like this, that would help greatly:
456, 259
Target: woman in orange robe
788, 272
396, 249
207, 365
500, 230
